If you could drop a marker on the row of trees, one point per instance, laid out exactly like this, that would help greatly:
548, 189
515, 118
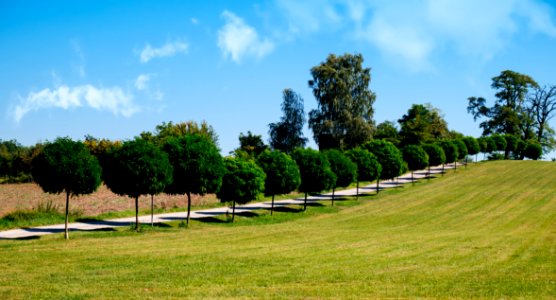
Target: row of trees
190, 163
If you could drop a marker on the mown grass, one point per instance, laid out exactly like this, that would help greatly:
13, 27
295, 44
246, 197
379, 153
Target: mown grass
487, 232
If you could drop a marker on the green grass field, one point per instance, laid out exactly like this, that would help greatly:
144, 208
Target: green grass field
488, 231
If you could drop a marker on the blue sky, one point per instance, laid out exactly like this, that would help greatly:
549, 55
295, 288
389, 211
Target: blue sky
113, 69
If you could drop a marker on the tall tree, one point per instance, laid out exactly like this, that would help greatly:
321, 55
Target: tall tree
344, 169
287, 134
198, 166
315, 171
282, 173
422, 124
368, 167
66, 166
344, 117
242, 182
509, 114
251, 144
137, 168
543, 104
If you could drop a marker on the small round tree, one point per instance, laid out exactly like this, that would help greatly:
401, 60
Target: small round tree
500, 142
282, 173
137, 168
491, 144
389, 157
368, 167
450, 150
315, 171
344, 169
436, 155
243, 181
511, 145
416, 158
520, 149
483, 144
66, 166
198, 166
462, 150
533, 151
473, 147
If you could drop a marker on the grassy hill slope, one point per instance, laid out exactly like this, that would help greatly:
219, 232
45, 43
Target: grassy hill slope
487, 232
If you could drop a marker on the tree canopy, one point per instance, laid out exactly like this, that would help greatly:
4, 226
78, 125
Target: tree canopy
198, 166
435, 153
344, 169
389, 157
368, 167
344, 117
66, 166
450, 150
251, 144
416, 157
137, 168
282, 173
422, 124
168, 130
316, 174
242, 182
533, 151
287, 134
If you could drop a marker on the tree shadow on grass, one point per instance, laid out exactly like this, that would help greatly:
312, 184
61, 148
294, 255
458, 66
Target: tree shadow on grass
25, 238
286, 209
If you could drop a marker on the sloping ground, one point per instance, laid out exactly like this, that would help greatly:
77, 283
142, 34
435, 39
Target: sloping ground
487, 232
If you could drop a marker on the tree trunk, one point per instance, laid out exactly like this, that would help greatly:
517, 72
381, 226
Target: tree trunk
188, 206
455, 165
137, 213
66, 230
412, 180
305, 203
466, 162
377, 185
152, 210
357, 192
333, 191
443, 169
272, 206
233, 210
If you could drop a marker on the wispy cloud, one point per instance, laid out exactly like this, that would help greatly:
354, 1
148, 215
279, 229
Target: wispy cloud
142, 81
237, 40
142, 84
80, 67
168, 49
113, 99
414, 32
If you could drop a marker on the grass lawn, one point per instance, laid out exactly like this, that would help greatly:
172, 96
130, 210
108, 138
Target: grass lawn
487, 232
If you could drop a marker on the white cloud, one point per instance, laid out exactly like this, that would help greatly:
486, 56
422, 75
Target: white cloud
194, 21
142, 81
237, 40
168, 49
112, 99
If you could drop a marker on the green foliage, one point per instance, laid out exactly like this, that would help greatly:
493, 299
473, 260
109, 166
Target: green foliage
491, 144
282, 173
368, 167
344, 169
509, 114
243, 181
472, 144
511, 144
462, 148
388, 156
66, 166
251, 144
499, 141
388, 131
287, 134
422, 124
482, 141
315, 171
450, 150
344, 117
166, 131
138, 168
416, 157
198, 166
435, 153
533, 151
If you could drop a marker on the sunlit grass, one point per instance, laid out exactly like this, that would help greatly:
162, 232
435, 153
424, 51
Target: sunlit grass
488, 231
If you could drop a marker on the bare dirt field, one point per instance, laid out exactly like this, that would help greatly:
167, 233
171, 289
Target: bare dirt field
29, 196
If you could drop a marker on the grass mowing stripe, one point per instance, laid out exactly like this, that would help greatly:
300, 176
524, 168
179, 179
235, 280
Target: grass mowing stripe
487, 231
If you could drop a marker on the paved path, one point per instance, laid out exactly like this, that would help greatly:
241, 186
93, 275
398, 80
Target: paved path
34, 232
